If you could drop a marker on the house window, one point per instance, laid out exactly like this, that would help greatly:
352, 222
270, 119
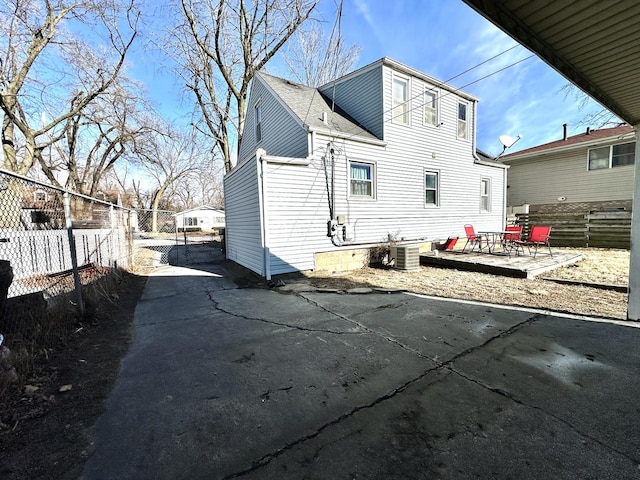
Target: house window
463, 130
431, 186
190, 221
361, 178
612, 156
485, 195
258, 120
430, 108
400, 100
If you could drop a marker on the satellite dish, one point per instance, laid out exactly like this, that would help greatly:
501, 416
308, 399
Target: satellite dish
507, 141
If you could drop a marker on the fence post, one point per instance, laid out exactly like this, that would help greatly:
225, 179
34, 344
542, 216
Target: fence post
74, 255
130, 237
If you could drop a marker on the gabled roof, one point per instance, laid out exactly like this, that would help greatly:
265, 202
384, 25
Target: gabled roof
203, 207
307, 104
586, 139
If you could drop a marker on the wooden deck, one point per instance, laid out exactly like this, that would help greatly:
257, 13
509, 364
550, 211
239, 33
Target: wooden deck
522, 266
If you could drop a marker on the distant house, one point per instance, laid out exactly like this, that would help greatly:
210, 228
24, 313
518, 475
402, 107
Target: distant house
200, 218
384, 154
590, 171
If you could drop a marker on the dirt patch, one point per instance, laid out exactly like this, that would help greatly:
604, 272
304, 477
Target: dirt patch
599, 266
43, 420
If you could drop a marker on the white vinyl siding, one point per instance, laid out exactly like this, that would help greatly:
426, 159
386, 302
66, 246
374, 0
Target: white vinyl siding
281, 134
243, 232
361, 96
297, 197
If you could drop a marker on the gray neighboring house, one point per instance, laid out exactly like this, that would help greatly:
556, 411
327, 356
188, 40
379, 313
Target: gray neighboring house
590, 171
385, 152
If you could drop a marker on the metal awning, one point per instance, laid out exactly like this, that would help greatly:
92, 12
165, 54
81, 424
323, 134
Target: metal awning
596, 45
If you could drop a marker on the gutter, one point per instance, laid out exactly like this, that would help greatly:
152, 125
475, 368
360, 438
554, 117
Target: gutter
345, 136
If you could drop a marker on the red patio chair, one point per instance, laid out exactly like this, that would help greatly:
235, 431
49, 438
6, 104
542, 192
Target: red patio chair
474, 239
539, 236
514, 233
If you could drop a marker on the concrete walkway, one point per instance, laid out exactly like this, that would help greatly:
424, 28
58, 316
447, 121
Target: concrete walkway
222, 382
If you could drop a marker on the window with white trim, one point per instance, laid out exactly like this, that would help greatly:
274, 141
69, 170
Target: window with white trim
400, 112
612, 156
485, 195
430, 107
361, 180
431, 188
258, 120
190, 221
463, 127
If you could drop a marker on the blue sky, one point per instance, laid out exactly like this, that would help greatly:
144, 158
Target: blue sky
444, 38
441, 38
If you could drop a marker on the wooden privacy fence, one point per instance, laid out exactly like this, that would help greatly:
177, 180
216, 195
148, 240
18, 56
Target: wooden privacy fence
601, 229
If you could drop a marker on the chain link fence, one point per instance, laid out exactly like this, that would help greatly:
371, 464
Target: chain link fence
52, 243
59, 250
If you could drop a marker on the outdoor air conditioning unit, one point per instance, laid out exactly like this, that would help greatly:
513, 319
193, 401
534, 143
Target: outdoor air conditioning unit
406, 257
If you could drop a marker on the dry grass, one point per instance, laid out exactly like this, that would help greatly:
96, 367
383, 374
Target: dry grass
601, 266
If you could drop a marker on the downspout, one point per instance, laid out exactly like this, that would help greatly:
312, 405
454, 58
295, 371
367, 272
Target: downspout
262, 194
633, 309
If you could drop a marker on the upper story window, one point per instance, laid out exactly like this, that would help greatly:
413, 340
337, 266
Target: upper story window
258, 119
431, 187
400, 113
463, 127
612, 156
430, 107
361, 179
485, 195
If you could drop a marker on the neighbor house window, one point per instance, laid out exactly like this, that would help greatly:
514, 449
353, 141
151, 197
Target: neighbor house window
612, 156
361, 179
400, 100
485, 195
430, 108
190, 221
431, 186
258, 119
463, 128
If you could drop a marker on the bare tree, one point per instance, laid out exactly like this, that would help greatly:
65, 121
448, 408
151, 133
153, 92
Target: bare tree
600, 118
48, 75
95, 138
167, 158
219, 47
315, 60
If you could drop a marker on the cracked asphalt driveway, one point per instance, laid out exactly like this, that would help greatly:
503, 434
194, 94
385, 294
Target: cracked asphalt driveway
224, 382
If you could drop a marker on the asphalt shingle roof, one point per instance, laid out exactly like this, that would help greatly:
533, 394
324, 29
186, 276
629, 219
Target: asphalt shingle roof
592, 137
308, 104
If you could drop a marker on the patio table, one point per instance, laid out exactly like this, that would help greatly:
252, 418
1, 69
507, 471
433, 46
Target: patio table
494, 238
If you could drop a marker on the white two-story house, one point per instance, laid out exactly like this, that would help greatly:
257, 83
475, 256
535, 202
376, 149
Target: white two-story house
383, 153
